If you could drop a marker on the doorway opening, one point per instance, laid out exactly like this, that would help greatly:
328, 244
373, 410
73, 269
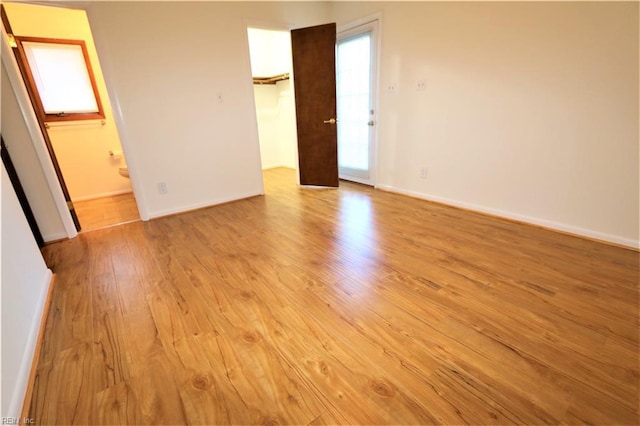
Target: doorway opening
271, 69
354, 80
87, 154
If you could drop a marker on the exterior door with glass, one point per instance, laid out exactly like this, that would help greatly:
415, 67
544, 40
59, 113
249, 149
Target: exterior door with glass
355, 94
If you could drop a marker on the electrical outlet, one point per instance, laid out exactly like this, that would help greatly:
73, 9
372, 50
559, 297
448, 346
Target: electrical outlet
424, 172
162, 187
421, 85
392, 87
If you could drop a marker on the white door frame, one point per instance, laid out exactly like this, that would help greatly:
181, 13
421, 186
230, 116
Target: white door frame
350, 29
31, 121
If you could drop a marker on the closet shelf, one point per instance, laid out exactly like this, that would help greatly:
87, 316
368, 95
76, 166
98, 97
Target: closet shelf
271, 80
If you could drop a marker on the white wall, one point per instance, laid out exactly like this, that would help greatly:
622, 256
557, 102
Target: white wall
530, 110
28, 167
276, 114
286, 124
25, 283
266, 99
83, 150
270, 52
167, 82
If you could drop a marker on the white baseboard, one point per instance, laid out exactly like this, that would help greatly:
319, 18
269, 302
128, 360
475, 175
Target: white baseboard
277, 166
24, 371
556, 226
272, 166
102, 195
196, 206
54, 237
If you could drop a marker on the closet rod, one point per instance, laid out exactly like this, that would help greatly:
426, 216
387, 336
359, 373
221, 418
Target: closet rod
270, 80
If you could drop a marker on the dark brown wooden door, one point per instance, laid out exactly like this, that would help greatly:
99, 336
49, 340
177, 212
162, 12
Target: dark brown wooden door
314, 74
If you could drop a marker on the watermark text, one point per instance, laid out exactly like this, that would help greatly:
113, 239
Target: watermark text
17, 421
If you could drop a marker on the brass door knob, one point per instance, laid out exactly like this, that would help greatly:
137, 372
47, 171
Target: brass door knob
331, 121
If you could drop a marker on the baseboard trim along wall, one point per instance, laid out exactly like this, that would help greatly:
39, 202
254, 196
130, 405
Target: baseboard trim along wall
38, 348
273, 166
21, 398
52, 238
547, 224
204, 205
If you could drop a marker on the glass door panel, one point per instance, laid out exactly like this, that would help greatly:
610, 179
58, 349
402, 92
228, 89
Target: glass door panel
355, 105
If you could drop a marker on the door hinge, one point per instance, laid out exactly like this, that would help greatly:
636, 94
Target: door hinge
12, 41
70, 205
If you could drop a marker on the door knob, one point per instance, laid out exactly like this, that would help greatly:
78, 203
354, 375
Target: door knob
331, 121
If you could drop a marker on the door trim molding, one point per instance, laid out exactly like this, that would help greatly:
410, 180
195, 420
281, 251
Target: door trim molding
361, 21
31, 121
22, 197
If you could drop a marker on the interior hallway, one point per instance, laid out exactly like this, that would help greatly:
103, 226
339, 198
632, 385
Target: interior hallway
338, 306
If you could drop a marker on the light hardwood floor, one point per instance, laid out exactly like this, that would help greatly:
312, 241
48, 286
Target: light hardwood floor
338, 306
106, 211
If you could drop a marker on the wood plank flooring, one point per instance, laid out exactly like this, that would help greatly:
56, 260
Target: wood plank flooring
106, 211
348, 306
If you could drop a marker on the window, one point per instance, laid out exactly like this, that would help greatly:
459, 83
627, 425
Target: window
60, 76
